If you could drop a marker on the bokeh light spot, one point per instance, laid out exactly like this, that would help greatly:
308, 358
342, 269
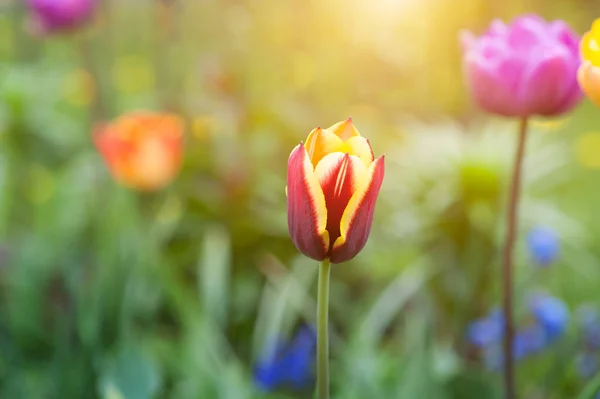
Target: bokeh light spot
112, 392
549, 124
79, 88
203, 126
6, 36
170, 211
42, 185
303, 70
133, 74
587, 150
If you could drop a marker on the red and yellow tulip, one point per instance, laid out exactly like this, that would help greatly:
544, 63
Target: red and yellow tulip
143, 150
332, 185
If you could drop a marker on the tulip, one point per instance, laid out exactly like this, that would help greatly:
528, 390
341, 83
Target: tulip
589, 72
526, 68
332, 185
55, 15
142, 150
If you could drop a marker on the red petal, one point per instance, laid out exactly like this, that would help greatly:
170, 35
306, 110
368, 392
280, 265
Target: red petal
358, 216
307, 214
339, 175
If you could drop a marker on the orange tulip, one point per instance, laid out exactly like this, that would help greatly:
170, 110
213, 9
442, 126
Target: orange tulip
143, 150
332, 185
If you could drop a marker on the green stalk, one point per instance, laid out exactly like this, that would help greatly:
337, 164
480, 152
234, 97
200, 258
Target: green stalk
323, 331
507, 264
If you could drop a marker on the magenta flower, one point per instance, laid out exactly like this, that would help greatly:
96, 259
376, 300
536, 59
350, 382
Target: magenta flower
526, 68
47, 16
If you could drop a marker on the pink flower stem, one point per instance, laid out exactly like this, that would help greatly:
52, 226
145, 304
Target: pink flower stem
507, 264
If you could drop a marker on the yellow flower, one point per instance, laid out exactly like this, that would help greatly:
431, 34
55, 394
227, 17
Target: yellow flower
588, 74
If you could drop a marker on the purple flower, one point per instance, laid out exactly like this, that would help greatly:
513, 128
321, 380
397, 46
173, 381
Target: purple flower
55, 15
526, 68
543, 245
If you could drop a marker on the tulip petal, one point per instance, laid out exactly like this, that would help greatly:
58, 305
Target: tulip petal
565, 35
156, 160
360, 147
589, 80
590, 48
497, 29
321, 142
357, 218
546, 84
116, 152
527, 32
307, 214
344, 130
339, 174
493, 84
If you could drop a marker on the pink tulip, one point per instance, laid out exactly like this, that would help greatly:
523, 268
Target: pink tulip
526, 68
55, 15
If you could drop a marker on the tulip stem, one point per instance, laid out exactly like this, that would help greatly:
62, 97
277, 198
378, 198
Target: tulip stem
323, 331
507, 264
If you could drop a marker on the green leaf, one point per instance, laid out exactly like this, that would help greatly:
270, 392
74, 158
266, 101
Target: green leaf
129, 375
213, 273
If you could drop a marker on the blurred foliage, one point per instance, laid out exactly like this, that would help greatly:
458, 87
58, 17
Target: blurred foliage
107, 293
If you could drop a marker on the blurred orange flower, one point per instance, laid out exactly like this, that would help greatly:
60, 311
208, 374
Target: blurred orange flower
143, 150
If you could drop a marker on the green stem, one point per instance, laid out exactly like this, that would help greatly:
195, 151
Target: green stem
323, 331
507, 265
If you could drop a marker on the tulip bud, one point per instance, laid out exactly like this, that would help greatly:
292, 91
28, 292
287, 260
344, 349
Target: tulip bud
589, 72
142, 150
526, 68
332, 185
54, 15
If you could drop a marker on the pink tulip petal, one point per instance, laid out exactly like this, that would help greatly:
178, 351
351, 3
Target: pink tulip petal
523, 69
565, 35
548, 83
526, 33
494, 86
497, 29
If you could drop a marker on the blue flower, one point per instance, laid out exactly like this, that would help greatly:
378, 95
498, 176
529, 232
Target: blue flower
530, 340
543, 245
551, 314
526, 342
486, 331
288, 364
